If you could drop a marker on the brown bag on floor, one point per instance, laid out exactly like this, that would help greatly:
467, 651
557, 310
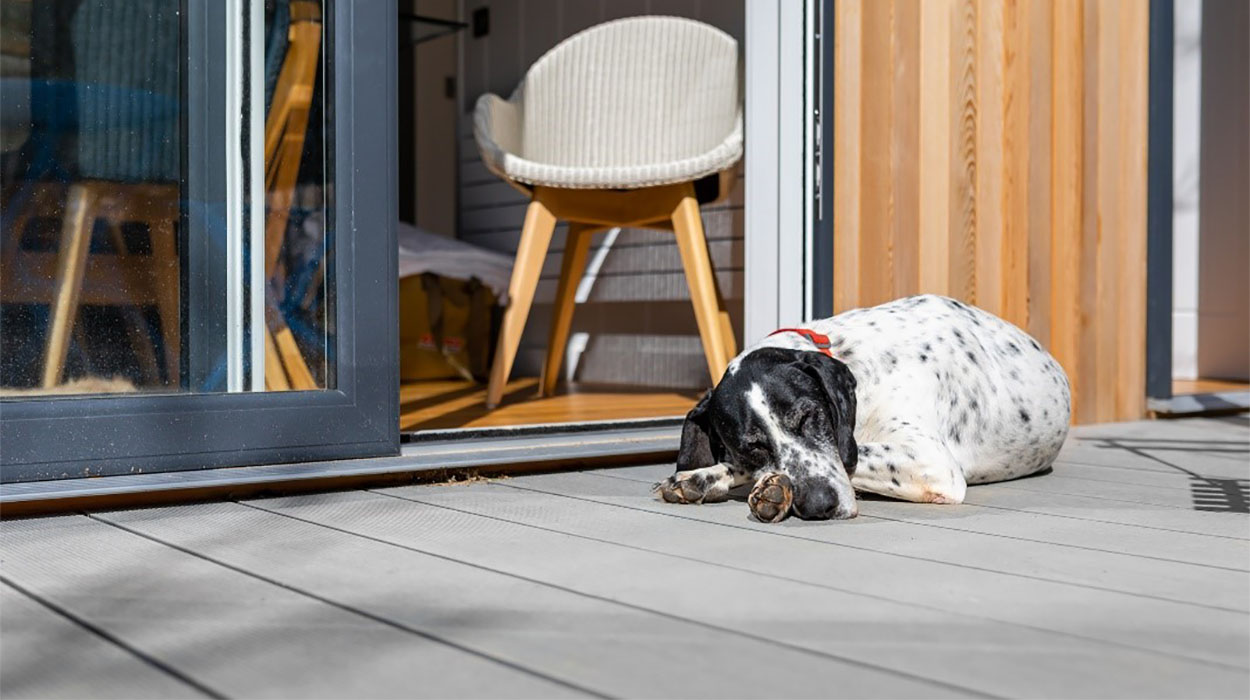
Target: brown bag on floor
444, 328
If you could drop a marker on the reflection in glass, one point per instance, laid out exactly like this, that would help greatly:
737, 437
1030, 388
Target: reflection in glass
90, 158
298, 332
102, 283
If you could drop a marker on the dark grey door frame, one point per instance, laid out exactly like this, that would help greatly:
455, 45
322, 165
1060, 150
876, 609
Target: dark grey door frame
1159, 203
822, 245
54, 438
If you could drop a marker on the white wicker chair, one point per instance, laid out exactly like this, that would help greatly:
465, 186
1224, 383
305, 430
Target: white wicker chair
613, 127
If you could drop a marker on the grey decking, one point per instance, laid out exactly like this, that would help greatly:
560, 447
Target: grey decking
1124, 573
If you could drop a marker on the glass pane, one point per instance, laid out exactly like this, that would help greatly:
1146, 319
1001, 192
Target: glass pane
91, 157
298, 252
115, 274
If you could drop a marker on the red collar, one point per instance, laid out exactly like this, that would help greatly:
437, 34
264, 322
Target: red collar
820, 341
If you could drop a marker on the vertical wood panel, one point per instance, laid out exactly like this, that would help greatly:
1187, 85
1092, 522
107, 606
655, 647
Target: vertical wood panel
989, 157
1016, 162
905, 148
994, 151
1066, 186
1040, 20
936, 17
1134, 102
1106, 202
963, 209
847, 101
1087, 274
877, 215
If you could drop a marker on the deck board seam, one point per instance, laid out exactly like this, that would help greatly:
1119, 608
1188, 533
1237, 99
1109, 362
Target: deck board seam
1186, 479
90, 627
1144, 469
1153, 504
909, 557
632, 606
394, 624
973, 504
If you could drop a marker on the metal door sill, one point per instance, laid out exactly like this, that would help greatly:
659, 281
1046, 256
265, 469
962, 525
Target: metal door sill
428, 457
1201, 404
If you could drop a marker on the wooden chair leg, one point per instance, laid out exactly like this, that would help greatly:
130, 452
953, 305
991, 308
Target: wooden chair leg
275, 374
165, 260
727, 332
572, 266
293, 360
691, 242
71, 267
535, 239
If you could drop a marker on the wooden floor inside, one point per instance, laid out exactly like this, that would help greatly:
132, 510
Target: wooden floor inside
1124, 573
1181, 387
434, 405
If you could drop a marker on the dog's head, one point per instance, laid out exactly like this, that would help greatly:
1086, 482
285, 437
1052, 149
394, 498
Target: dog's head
784, 410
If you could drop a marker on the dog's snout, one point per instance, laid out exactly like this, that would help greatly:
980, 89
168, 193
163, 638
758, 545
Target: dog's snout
816, 499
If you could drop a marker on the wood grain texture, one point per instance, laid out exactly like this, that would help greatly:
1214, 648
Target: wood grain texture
847, 193
989, 157
963, 162
878, 208
1106, 201
935, 146
994, 151
905, 147
1040, 108
1014, 272
1132, 131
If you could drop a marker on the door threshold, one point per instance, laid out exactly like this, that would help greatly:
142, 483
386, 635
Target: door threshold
1200, 404
429, 457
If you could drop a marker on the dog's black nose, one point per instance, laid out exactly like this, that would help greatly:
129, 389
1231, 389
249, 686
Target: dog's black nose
816, 499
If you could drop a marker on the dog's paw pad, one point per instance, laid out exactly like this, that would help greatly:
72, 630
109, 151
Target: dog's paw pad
771, 498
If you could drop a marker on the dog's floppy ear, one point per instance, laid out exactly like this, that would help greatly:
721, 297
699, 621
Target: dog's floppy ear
839, 386
696, 449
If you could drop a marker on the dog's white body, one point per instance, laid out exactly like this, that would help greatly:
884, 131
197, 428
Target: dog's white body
948, 395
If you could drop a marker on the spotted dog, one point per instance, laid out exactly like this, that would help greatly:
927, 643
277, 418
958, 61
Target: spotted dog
914, 399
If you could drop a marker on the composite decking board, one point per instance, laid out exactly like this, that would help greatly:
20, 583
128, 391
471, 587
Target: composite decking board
229, 631
597, 643
1078, 505
989, 656
37, 641
1170, 479
1175, 581
1113, 538
1119, 492
1006, 597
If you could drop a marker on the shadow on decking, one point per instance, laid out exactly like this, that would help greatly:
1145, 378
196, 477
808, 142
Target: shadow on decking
1209, 493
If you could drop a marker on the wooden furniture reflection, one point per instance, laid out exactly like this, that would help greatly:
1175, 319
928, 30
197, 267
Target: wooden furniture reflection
286, 127
69, 275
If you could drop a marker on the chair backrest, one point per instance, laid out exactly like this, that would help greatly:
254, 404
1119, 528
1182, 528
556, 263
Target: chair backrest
630, 92
126, 61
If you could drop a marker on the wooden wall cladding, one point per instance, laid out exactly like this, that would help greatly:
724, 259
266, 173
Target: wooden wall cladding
995, 151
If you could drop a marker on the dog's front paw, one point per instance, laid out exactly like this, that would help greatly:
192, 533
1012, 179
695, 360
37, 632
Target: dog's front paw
695, 486
771, 498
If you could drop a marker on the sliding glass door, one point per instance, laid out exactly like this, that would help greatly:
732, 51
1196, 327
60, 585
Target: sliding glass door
198, 234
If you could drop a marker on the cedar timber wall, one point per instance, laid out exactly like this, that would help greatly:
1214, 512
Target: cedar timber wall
995, 151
